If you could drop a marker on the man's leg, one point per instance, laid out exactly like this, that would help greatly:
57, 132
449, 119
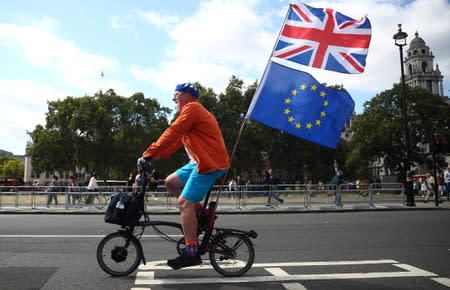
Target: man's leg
337, 197
188, 221
195, 188
188, 217
174, 184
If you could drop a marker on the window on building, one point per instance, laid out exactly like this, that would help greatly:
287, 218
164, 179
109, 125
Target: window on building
424, 66
429, 86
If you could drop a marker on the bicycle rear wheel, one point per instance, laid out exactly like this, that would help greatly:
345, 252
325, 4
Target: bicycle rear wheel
119, 254
232, 254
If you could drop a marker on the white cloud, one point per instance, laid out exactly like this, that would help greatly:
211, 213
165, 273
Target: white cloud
179, 71
116, 22
210, 46
23, 104
123, 22
212, 35
72, 66
46, 22
157, 19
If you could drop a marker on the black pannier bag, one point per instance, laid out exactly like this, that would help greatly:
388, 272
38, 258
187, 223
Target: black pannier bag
124, 209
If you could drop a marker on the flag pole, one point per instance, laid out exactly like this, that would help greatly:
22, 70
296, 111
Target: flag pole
252, 104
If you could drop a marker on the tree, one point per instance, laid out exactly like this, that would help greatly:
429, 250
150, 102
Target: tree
230, 109
105, 133
379, 130
11, 168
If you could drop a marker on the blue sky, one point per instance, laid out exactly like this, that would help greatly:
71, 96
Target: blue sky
53, 49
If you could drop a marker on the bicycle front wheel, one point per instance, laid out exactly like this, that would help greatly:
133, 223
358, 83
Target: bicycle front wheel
232, 254
119, 254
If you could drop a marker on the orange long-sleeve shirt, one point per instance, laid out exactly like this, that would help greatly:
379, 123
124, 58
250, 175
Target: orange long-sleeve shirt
198, 130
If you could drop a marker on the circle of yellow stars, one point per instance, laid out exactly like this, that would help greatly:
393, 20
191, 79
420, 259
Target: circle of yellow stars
308, 124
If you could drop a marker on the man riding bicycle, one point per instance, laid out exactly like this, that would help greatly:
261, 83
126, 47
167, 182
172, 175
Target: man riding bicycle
197, 129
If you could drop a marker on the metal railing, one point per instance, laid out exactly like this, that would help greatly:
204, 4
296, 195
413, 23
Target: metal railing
243, 196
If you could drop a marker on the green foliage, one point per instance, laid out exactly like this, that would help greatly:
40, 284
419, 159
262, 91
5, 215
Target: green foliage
105, 133
11, 168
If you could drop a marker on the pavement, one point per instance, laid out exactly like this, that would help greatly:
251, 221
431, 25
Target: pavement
249, 208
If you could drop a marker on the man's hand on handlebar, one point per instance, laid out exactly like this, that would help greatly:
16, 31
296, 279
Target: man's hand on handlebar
143, 163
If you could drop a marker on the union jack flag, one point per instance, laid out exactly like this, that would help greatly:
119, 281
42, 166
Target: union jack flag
323, 38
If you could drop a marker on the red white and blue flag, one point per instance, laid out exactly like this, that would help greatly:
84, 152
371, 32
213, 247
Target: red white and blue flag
323, 38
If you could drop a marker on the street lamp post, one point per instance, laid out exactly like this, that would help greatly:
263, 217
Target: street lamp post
400, 41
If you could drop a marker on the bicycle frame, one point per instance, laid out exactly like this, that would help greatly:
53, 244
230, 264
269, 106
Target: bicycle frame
209, 232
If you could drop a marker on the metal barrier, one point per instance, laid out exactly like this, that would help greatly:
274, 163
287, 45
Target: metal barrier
245, 196
326, 194
386, 192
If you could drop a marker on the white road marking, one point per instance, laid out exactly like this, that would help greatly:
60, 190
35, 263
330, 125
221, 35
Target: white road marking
77, 236
146, 275
330, 263
277, 272
293, 286
411, 271
443, 281
281, 273
415, 270
162, 265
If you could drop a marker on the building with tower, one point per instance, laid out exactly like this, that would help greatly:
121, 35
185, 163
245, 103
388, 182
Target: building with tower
419, 68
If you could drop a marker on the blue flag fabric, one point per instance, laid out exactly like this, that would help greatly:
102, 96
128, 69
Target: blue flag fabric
294, 102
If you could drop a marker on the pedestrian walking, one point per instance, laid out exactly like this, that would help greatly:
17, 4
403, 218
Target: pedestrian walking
92, 187
72, 188
429, 183
52, 191
272, 181
337, 182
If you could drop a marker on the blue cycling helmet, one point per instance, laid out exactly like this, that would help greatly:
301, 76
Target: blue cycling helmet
188, 88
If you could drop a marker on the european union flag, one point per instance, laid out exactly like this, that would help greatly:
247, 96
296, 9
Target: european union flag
294, 102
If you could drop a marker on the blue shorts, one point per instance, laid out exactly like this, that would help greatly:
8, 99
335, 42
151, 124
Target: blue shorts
196, 185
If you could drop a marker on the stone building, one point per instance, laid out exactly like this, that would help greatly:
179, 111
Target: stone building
419, 68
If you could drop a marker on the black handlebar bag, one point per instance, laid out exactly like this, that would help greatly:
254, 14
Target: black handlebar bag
133, 209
